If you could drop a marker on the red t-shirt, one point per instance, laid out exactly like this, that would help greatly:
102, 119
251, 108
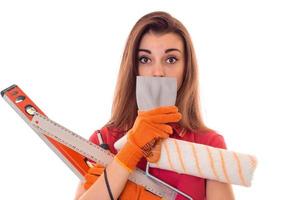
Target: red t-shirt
191, 185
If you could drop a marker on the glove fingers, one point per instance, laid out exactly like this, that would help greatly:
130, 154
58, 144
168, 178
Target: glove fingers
90, 180
147, 131
96, 170
87, 185
159, 131
165, 118
162, 129
159, 110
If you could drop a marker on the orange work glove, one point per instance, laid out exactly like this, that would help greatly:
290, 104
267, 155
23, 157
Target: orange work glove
149, 127
154, 155
131, 190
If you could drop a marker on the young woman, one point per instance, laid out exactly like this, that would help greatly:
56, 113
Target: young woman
158, 45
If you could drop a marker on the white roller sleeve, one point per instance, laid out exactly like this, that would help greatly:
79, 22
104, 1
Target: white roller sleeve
204, 161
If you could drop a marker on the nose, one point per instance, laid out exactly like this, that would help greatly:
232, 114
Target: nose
158, 70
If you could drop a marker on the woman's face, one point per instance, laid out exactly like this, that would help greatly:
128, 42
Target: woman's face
161, 55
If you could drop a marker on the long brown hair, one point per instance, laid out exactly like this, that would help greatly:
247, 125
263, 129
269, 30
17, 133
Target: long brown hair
124, 107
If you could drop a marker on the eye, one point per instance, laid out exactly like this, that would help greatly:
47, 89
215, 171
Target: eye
144, 60
171, 60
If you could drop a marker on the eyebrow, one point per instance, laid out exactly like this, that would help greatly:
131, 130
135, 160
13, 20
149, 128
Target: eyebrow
166, 51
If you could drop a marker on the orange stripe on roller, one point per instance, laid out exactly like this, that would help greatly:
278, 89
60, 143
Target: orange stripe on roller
180, 155
224, 167
212, 164
239, 168
168, 156
196, 160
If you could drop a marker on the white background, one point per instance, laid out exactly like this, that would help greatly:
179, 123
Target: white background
66, 54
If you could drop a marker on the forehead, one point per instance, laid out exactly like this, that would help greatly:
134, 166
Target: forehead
164, 41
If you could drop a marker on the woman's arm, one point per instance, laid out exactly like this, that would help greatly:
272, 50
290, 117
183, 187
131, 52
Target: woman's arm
117, 177
153, 122
218, 191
